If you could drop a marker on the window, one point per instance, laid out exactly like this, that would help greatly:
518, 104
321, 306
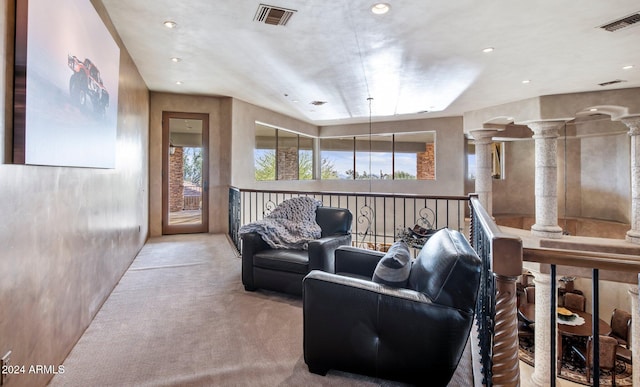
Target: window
305, 158
264, 155
287, 155
282, 155
363, 153
337, 158
414, 156
374, 159
402, 156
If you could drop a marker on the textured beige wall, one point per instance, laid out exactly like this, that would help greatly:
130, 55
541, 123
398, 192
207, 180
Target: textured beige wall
598, 174
516, 111
449, 141
219, 155
450, 161
68, 234
612, 295
515, 193
244, 117
616, 103
606, 172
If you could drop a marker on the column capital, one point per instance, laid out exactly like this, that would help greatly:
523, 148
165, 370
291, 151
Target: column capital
483, 136
633, 123
546, 129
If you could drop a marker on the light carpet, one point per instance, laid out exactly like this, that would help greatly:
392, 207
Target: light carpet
181, 317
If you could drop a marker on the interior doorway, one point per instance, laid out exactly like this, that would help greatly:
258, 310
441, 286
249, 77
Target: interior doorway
185, 173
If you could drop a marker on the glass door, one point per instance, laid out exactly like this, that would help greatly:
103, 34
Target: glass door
185, 173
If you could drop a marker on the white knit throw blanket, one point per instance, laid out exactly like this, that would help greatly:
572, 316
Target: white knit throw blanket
290, 226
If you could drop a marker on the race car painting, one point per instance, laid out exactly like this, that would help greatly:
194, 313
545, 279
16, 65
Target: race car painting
86, 87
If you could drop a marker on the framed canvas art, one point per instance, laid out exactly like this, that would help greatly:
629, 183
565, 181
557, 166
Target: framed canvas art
66, 85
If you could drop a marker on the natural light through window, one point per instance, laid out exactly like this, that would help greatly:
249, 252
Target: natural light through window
401, 156
282, 155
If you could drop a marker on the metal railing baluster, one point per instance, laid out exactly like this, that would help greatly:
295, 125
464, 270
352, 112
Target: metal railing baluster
553, 334
595, 306
373, 226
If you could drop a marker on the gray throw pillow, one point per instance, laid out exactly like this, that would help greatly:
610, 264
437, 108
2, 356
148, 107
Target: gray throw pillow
394, 268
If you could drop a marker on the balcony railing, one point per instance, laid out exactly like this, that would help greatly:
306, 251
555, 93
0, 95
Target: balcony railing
496, 311
192, 196
378, 219
621, 268
503, 256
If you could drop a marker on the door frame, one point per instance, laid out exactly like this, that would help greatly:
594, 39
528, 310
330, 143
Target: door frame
188, 228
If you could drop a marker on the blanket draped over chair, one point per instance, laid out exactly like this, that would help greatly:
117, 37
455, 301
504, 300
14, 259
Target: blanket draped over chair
291, 225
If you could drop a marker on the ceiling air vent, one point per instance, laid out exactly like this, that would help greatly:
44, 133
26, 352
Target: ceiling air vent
611, 82
622, 23
276, 16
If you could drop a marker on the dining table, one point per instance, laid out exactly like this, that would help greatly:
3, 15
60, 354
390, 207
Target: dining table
528, 312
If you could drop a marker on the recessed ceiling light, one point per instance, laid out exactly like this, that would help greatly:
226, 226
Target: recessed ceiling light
175, 59
526, 81
380, 8
629, 67
170, 24
178, 82
488, 49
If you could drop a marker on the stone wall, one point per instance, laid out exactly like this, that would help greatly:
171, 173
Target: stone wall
176, 180
427, 163
288, 163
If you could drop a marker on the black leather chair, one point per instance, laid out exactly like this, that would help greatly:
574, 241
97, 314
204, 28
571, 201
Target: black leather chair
282, 269
415, 334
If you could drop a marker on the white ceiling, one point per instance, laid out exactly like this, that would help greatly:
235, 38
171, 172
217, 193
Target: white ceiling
421, 56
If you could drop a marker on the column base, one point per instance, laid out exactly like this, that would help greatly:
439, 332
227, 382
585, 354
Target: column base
552, 232
633, 236
539, 380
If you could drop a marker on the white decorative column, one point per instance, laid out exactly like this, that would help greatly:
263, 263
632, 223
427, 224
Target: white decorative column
542, 371
633, 123
484, 182
545, 134
635, 329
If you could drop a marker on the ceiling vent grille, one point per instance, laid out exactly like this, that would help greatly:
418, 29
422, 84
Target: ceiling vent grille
622, 23
275, 16
611, 82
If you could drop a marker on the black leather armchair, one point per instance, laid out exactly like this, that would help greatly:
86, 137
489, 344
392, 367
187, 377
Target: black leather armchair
415, 335
282, 269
